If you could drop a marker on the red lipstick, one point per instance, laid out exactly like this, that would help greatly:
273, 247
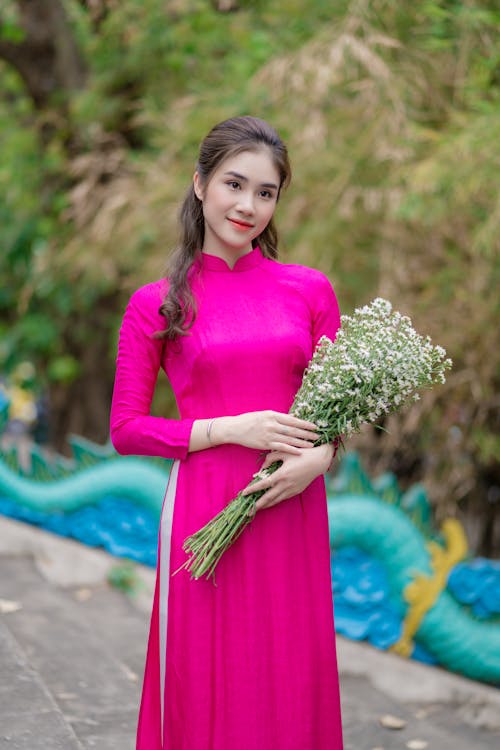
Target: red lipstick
241, 225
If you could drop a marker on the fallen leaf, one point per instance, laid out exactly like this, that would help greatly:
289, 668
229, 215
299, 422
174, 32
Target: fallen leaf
392, 722
7, 606
422, 713
83, 594
132, 676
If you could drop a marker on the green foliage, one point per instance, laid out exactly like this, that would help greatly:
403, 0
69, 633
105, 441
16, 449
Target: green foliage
125, 578
10, 29
154, 54
391, 114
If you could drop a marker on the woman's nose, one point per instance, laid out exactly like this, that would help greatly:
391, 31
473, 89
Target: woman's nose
245, 203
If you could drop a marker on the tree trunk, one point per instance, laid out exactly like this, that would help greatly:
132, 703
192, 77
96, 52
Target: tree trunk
82, 407
225, 6
48, 59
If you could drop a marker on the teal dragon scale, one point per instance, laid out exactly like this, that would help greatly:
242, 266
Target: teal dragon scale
397, 582
94, 473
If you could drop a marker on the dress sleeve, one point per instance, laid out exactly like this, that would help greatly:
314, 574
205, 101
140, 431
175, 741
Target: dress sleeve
133, 430
326, 314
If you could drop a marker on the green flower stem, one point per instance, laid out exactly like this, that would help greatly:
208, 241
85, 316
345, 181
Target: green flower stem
206, 546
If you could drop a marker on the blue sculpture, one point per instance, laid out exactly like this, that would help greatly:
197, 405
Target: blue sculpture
397, 582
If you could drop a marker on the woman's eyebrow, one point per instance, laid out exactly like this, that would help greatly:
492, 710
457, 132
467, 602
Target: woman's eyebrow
245, 179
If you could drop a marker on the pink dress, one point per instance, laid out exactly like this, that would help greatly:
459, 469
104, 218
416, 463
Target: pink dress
248, 664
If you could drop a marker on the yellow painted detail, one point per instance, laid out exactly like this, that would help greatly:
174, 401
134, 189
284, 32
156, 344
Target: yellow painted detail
424, 590
22, 404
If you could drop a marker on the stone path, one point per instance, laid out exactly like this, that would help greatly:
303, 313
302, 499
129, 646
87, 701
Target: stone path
72, 655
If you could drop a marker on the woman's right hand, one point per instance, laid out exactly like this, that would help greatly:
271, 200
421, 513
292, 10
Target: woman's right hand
266, 430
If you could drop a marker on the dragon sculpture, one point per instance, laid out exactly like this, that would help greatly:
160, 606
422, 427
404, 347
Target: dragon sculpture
397, 582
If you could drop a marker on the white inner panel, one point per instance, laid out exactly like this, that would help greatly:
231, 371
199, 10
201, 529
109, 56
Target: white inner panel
164, 572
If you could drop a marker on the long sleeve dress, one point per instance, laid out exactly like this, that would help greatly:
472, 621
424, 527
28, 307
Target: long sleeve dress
248, 663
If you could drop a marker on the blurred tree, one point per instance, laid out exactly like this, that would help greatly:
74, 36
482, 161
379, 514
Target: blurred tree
98, 11
45, 53
403, 105
66, 271
225, 6
391, 113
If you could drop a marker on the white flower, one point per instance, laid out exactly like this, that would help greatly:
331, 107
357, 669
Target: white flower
375, 364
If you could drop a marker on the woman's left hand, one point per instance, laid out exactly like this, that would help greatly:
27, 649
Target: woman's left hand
293, 476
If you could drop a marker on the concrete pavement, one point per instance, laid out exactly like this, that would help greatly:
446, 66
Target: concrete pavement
72, 654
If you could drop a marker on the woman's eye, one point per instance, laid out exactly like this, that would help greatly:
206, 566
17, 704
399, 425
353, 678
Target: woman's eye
266, 194
233, 184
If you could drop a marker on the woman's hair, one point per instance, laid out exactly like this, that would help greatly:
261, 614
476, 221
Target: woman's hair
225, 140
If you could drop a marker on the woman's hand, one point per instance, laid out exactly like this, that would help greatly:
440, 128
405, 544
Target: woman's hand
293, 476
266, 430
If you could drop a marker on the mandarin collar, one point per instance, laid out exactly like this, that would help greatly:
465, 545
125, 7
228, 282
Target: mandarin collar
244, 263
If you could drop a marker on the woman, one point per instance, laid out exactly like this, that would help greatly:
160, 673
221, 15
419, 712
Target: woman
248, 664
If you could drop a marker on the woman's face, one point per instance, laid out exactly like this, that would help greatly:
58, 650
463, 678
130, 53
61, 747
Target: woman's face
238, 201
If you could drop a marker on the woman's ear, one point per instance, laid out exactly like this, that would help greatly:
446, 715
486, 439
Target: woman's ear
197, 186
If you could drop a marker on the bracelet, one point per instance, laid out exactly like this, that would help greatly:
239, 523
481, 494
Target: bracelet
209, 428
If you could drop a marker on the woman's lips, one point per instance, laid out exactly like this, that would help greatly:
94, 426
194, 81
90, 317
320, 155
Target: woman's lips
241, 225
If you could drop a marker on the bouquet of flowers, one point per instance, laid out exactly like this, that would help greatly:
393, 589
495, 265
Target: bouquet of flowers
377, 362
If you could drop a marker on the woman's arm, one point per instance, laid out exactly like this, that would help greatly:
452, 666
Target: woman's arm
325, 313
134, 431
294, 475
265, 430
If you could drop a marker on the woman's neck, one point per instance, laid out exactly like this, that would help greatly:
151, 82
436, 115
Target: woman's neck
228, 256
